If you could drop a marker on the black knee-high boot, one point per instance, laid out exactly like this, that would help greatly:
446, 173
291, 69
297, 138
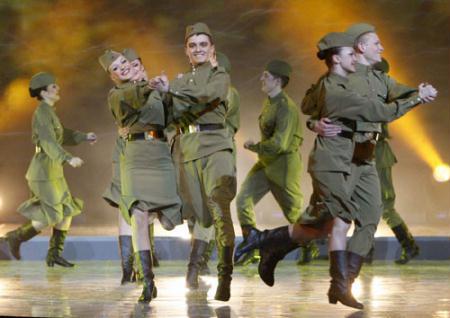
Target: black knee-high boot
225, 270
127, 258
273, 246
339, 287
195, 260
16, 237
55, 248
354, 264
144, 261
406, 240
204, 269
151, 236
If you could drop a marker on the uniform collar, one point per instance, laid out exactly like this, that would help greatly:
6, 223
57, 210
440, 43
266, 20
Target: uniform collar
337, 78
123, 85
201, 67
277, 97
362, 69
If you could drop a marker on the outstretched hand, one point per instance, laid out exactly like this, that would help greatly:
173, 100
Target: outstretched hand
427, 92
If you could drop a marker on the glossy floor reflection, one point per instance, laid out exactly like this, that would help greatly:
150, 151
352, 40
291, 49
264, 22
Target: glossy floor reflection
92, 289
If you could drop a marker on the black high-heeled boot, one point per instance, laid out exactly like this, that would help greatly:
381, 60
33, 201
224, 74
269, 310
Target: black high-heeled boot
195, 260
56, 246
339, 287
149, 291
127, 259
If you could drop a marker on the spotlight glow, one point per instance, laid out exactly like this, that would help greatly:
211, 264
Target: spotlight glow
1, 203
441, 173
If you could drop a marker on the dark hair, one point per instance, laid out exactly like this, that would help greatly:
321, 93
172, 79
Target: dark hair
36, 93
327, 55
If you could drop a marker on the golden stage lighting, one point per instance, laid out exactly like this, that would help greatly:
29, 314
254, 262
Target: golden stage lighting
441, 173
1, 203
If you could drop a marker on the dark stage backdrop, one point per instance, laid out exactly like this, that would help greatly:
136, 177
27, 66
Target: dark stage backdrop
66, 38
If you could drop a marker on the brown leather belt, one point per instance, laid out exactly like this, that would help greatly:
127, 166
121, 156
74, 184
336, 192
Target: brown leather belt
148, 135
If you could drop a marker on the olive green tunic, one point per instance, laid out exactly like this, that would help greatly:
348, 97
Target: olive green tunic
279, 164
206, 169
147, 174
330, 161
51, 200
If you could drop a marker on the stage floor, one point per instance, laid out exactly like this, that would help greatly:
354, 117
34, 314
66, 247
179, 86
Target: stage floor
92, 289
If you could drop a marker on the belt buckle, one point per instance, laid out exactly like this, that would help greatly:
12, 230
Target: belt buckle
38, 149
193, 128
148, 136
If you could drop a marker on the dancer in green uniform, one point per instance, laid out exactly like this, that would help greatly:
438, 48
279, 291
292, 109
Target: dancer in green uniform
279, 164
333, 206
51, 203
201, 251
207, 174
147, 161
385, 160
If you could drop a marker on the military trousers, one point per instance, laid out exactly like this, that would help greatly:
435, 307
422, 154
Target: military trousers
257, 184
207, 186
390, 215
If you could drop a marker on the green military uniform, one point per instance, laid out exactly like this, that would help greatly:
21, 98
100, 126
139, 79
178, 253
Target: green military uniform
337, 189
206, 155
204, 152
279, 164
364, 178
385, 160
51, 200
146, 162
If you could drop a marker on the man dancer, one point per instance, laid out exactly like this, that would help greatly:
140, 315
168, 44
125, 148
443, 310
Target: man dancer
208, 174
279, 164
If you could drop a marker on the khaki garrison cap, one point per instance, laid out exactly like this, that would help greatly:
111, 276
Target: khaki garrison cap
279, 68
358, 29
41, 79
223, 61
107, 58
130, 54
335, 39
197, 28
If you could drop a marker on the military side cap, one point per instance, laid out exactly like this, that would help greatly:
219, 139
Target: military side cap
382, 66
107, 58
279, 68
358, 29
335, 39
41, 79
223, 61
130, 54
197, 28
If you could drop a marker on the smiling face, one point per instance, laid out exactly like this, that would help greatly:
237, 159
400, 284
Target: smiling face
121, 70
51, 94
347, 59
371, 48
139, 70
199, 49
